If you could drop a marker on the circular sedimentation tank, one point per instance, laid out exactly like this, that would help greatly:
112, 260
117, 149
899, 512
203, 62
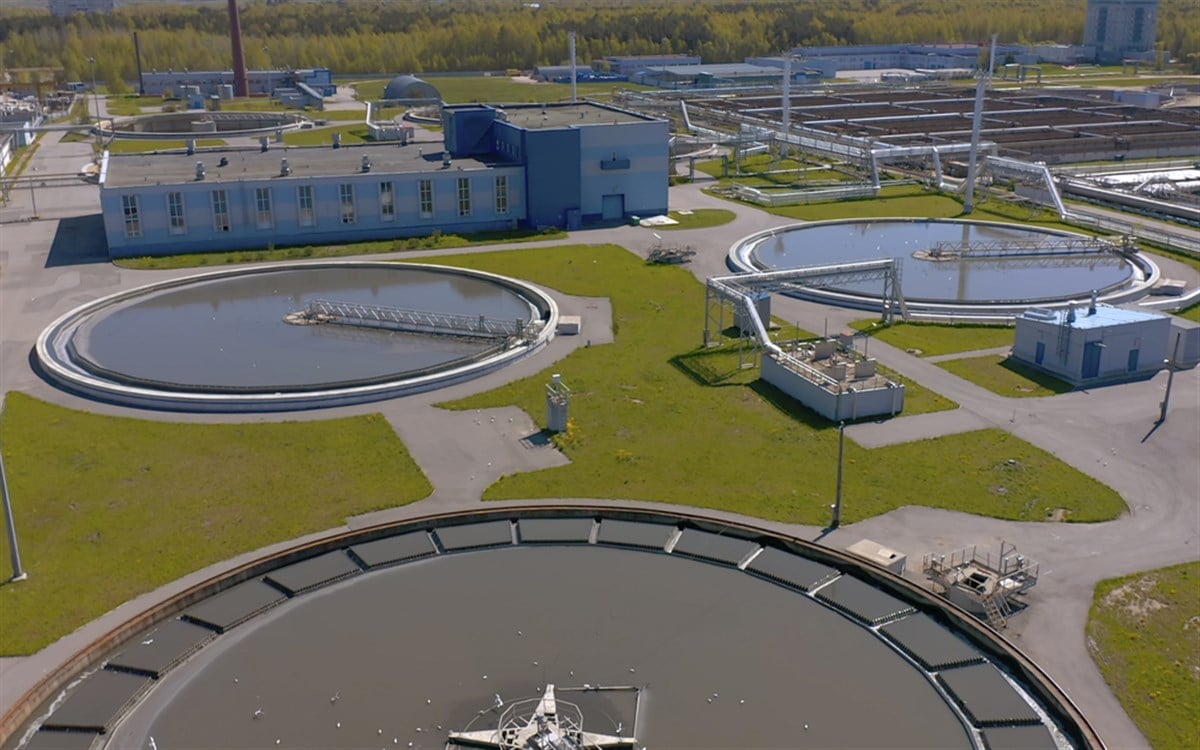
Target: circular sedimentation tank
203, 124
1002, 272
286, 337
667, 630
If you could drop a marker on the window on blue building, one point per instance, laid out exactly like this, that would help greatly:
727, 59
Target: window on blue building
425, 198
262, 205
177, 220
387, 205
501, 194
346, 196
220, 208
133, 218
308, 211
464, 196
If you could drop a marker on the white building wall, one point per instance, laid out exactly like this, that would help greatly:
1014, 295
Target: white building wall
833, 406
1064, 357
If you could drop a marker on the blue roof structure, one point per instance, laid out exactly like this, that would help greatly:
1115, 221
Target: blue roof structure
1103, 317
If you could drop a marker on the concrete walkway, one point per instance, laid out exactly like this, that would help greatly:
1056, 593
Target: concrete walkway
49, 267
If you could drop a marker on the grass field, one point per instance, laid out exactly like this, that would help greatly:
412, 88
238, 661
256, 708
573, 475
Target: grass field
933, 339
434, 241
645, 427
109, 508
700, 218
356, 132
1144, 634
1005, 376
1191, 313
500, 90
139, 145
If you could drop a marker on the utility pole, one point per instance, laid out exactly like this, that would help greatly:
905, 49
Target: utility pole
1170, 365
19, 573
837, 504
95, 100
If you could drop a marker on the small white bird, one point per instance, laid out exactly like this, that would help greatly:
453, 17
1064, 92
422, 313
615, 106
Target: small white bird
335, 697
153, 744
147, 642
258, 713
499, 701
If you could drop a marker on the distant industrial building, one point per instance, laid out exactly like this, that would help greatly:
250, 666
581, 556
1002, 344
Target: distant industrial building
261, 82
533, 165
629, 65
1093, 344
1121, 29
67, 7
704, 76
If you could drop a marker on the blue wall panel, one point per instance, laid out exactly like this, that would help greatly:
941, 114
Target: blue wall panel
552, 184
467, 130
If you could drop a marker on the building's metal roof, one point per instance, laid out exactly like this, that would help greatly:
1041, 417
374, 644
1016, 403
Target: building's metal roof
537, 117
307, 162
1105, 315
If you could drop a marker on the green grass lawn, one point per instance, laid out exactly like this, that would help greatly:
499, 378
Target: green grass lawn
139, 145
645, 427
129, 106
500, 90
356, 132
700, 218
1144, 634
109, 508
1005, 376
434, 241
1191, 313
933, 339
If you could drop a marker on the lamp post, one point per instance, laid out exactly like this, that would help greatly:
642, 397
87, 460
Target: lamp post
267, 52
19, 573
95, 100
837, 503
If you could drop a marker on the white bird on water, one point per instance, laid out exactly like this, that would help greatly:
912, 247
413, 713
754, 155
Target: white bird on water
153, 744
335, 697
499, 701
258, 713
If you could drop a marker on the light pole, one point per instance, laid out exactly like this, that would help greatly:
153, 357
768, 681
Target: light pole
267, 52
19, 573
837, 503
95, 100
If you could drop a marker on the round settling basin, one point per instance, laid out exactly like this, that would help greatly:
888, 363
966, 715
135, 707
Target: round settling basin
264, 338
680, 632
989, 278
198, 124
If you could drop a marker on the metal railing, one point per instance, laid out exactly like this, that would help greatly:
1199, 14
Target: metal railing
413, 321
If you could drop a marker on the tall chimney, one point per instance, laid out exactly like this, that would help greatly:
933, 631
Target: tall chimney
241, 84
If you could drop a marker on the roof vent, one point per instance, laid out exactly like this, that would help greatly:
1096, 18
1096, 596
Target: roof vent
264, 143
337, 140
224, 162
191, 146
1092, 304
366, 163
284, 169
446, 160
1071, 313
199, 170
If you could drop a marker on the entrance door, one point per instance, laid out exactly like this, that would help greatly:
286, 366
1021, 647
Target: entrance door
1039, 353
1091, 359
612, 207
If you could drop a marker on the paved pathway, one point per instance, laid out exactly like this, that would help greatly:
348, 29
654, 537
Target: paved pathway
47, 268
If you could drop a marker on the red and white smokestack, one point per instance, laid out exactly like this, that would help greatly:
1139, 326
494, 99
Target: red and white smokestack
241, 82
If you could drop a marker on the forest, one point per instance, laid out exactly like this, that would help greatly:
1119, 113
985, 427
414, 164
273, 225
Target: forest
358, 37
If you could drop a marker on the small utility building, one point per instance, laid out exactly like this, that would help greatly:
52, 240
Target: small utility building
1099, 343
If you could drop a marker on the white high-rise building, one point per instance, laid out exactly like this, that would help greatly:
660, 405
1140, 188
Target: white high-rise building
1121, 29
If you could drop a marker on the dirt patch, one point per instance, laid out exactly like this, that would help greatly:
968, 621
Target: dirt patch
1058, 514
1134, 598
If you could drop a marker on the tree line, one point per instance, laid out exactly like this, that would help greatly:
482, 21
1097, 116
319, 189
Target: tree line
403, 36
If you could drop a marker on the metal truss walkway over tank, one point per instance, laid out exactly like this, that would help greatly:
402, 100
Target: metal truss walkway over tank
321, 311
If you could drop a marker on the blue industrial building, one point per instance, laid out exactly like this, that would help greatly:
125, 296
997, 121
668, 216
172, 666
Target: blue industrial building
534, 166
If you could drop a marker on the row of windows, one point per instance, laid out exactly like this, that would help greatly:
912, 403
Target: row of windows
264, 217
